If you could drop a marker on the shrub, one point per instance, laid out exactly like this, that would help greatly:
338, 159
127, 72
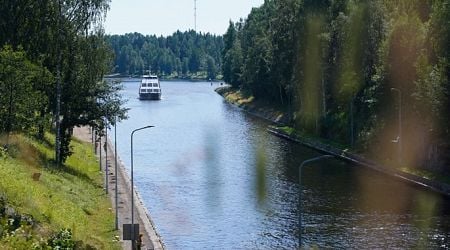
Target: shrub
62, 240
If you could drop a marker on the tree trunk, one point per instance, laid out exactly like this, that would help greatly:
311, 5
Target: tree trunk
10, 111
58, 95
40, 134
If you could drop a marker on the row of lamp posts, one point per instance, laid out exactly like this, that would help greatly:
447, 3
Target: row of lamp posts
132, 184
131, 228
305, 162
399, 141
133, 233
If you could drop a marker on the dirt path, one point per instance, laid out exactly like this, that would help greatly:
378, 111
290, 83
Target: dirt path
151, 239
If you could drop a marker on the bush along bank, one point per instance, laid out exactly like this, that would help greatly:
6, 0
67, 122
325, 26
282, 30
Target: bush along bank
17, 231
429, 180
44, 207
248, 103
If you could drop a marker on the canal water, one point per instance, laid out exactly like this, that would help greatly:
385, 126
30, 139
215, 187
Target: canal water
199, 172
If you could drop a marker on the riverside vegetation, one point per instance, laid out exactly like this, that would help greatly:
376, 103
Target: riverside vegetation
373, 76
44, 207
356, 72
52, 61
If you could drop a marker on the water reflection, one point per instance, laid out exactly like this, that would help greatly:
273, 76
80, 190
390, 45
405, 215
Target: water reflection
196, 174
212, 167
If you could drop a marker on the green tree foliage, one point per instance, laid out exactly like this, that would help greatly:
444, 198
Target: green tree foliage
20, 101
211, 68
57, 43
337, 67
283, 35
178, 54
432, 84
257, 54
232, 57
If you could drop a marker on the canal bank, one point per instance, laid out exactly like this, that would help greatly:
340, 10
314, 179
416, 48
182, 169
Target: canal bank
280, 118
195, 171
150, 238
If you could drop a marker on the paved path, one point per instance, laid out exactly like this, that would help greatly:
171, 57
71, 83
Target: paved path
151, 239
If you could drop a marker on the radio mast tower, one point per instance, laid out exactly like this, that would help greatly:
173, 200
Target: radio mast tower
195, 15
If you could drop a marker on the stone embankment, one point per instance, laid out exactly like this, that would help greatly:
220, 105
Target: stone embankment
359, 160
256, 109
279, 118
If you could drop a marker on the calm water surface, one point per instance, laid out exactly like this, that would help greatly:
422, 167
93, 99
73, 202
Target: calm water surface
196, 171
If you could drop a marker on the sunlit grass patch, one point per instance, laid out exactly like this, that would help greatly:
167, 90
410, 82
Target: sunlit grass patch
286, 129
238, 98
427, 174
67, 197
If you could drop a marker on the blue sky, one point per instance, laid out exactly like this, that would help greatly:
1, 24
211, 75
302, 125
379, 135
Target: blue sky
163, 17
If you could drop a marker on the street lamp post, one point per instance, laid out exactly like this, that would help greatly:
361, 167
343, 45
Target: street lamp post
352, 126
115, 168
100, 148
133, 242
399, 138
106, 155
95, 141
300, 193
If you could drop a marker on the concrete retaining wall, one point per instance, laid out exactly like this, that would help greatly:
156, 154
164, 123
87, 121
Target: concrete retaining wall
438, 187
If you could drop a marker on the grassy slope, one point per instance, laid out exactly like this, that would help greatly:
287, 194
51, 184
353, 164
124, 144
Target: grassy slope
71, 197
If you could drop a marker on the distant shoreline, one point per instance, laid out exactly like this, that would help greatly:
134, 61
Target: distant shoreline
136, 78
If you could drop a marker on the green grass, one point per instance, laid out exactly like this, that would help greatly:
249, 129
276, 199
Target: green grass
286, 129
238, 98
300, 134
427, 175
69, 197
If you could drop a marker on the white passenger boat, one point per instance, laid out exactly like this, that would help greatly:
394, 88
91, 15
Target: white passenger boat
150, 88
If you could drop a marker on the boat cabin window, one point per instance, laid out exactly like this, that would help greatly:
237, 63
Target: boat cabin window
155, 85
144, 84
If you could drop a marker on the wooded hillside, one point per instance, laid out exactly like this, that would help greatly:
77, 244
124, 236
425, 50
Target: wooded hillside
180, 55
373, 75
52, 61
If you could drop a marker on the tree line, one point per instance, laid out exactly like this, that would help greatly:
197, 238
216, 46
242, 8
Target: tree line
371, 75
52, 60
180, 55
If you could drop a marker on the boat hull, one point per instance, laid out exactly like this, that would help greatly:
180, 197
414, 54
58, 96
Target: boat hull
150, 96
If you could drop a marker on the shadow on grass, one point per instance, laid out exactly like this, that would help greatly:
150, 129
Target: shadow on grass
31, 155
46, 142
51, 166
